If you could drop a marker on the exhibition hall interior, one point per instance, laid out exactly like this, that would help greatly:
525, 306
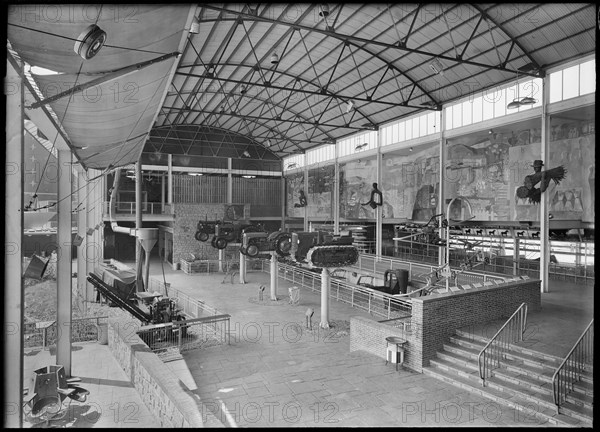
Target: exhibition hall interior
278, 214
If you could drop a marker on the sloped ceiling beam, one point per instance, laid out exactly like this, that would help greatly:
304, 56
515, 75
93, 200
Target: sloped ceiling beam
363, 41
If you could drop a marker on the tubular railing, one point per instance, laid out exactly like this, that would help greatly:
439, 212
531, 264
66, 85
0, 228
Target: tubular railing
43, 334
569, 372
495, 350
378, 265
171, 339
190, 306
373, 301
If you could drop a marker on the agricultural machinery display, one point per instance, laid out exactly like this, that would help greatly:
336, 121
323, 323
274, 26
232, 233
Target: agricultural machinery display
253, 243
223, 233
322, 250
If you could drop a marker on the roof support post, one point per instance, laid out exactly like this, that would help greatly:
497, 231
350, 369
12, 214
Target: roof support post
441, 207
13, 233
544, 205
64, 263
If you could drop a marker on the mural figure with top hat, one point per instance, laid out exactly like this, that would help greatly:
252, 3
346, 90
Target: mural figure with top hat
534, 194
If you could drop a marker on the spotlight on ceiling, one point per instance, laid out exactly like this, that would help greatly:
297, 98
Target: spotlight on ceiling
246, 154
89, 42
528, 101
195, 27
514, 104
527, 67
428, 104
324, 10
349, 106
490, 131
410, 149
274, 58
437, 67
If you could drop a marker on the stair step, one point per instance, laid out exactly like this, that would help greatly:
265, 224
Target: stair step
451, 367
580, 413
584, 387
462, 350
530, 394
515, 351
458, 359
504, 374
581, 400
523, 406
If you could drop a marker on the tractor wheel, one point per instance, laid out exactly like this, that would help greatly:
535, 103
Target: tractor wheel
221, 243
201, 236
252, 251
283, 244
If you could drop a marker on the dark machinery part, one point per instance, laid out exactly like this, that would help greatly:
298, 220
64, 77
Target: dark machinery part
320, 249
255, 242
228, 232
160, 310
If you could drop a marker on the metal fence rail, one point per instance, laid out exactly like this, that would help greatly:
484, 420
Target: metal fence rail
190, 306
579, 359
372, 301
43, 334
169, 340
495, 350
372, 264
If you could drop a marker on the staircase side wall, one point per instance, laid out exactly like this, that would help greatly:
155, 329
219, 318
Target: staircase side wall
438, 317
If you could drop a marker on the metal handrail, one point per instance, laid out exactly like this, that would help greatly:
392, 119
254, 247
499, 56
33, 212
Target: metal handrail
500, 342
569, 371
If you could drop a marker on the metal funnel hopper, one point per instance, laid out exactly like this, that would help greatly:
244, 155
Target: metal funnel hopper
147, 238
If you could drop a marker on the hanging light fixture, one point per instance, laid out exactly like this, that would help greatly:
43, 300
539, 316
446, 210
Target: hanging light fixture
324, 10
89, 42
274, 58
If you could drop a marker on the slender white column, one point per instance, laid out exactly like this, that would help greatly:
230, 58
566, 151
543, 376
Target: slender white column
441, 208
82, 227
544, 202
139, 251
242, 268
170, 181
379, 209
64, 263
273, 276
229, 182
13, 232
325, 284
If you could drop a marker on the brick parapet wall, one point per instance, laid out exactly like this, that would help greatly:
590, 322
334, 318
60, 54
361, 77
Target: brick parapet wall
369, 335
435, 318
160, 389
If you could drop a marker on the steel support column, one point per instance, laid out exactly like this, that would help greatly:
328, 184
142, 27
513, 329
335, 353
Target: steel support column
64, 263
13, 233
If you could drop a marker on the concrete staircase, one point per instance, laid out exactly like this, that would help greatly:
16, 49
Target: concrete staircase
522, 382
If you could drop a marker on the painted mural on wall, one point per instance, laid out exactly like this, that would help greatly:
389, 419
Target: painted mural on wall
295, 197
574, 196
410, 184
479, 168
356, 182
320, 192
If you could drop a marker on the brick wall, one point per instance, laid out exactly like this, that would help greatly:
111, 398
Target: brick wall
369, 335
161, 390
436, 317
184, 228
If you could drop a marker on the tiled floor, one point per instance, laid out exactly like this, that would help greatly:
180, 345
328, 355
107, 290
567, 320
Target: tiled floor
278, 373
113, 402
